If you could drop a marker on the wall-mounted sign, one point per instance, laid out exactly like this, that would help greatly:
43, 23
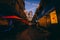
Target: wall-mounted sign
53, 17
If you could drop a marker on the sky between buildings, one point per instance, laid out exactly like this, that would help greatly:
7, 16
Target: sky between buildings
31, 5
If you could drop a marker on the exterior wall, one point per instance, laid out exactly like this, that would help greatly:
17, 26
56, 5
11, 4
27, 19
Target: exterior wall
49, 19
43, 21
20, 7
12, 7
3, 22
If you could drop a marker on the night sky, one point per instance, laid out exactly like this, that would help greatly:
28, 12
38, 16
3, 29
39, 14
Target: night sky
31, 5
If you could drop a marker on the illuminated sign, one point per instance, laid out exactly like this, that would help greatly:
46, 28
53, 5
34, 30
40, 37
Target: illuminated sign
53, 17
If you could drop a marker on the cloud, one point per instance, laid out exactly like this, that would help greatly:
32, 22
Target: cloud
35, 4
26, 2
32, 8
29, 3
